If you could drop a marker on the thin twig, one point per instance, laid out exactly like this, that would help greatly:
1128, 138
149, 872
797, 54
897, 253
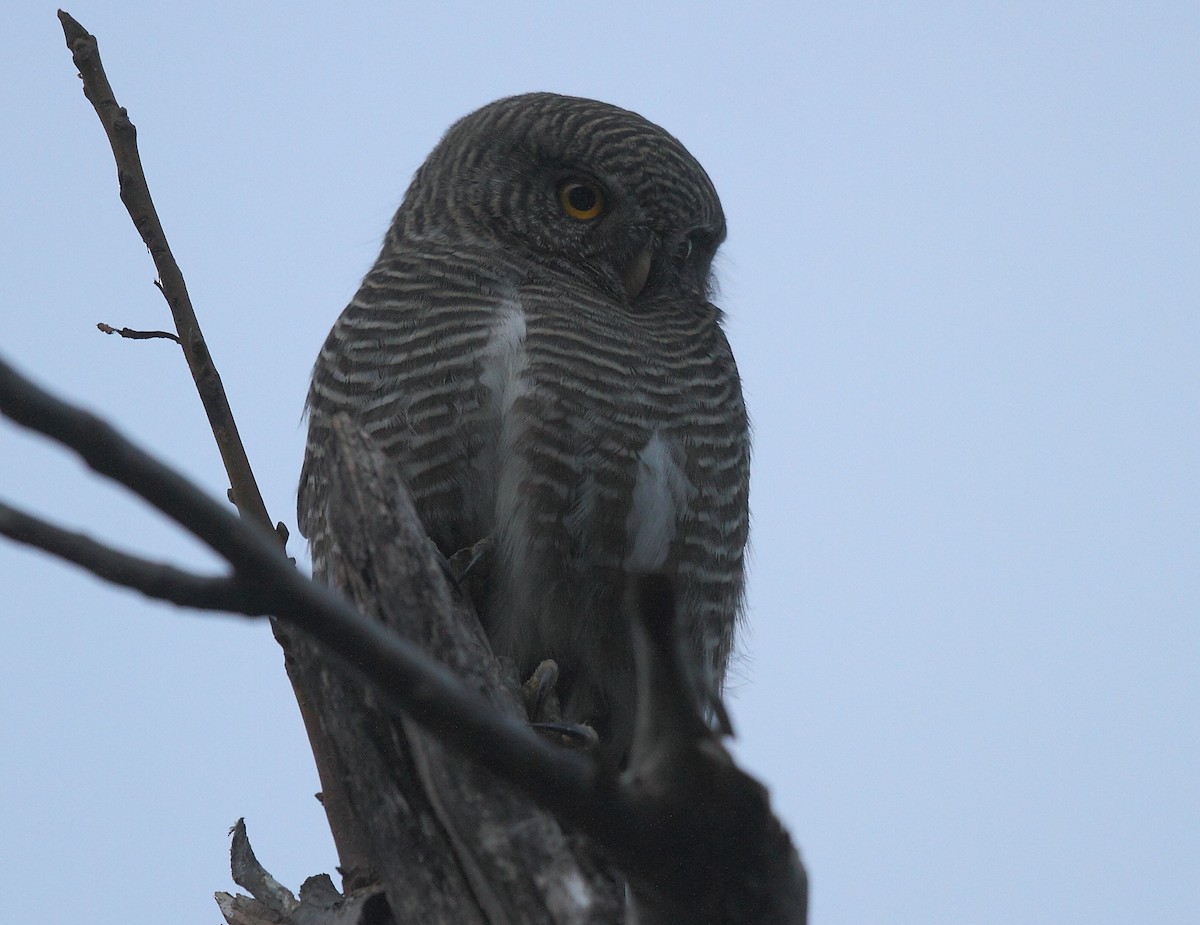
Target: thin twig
137, 335
135, 194
245, 494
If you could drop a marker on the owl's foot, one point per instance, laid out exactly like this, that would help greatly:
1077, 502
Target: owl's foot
540, 694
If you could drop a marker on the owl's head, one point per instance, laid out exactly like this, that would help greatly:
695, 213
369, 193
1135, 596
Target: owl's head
577, 187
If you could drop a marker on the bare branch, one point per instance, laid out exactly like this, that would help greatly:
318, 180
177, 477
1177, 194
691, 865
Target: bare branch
154, 579
406, 678
135, 194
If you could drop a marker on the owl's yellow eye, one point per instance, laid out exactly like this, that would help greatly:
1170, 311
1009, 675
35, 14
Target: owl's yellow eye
581, 199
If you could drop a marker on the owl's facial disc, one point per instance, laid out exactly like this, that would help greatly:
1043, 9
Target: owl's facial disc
637, 271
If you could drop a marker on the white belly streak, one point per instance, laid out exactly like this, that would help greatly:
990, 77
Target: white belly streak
502, 371
661, 495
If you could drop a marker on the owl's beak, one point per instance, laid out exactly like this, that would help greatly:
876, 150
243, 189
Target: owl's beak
637, 271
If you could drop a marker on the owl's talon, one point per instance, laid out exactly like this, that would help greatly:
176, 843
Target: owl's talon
578, 736
541, 695
470, 567
719, 716
478, 559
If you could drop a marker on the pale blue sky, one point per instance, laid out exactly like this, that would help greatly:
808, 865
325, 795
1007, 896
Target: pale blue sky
961, 284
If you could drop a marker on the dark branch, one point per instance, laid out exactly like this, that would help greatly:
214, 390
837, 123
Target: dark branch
707, 845
154, 579
131, 334
135, 194
406, 678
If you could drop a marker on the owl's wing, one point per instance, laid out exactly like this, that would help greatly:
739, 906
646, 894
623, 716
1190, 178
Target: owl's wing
420, 360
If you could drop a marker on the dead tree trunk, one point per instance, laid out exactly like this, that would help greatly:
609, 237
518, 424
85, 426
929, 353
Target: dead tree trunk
445, 840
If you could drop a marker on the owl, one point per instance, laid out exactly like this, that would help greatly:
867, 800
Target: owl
537, 351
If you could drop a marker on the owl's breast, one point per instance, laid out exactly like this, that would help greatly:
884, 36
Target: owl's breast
605, 429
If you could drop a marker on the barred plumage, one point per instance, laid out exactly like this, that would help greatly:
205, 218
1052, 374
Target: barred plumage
559, 384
